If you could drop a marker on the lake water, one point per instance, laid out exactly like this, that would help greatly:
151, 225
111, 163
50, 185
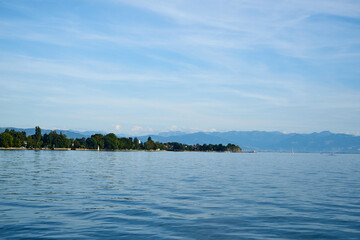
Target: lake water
167, 195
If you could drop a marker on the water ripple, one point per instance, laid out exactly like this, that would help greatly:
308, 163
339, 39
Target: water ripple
141, 195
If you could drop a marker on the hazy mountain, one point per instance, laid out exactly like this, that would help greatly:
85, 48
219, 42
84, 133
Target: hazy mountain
191, 138
171, 133
276, 141
271, 141
247, 140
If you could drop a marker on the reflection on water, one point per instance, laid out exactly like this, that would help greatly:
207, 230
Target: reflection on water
165, 195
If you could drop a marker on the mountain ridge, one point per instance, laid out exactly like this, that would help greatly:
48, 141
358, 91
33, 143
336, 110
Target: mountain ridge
324, 141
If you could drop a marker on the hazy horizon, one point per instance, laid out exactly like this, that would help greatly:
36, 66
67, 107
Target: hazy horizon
185, 131
142, 67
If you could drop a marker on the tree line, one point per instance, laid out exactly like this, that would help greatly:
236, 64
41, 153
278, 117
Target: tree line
52, 140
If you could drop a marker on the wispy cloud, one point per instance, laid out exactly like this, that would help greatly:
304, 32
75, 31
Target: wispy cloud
195, 64
284, 25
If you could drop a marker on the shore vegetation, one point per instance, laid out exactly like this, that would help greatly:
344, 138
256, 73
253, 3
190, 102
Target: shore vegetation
54, 140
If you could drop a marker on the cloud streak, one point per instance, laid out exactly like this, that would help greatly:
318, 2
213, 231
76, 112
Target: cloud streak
199, 65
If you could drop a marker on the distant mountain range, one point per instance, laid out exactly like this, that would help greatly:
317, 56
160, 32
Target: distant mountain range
247, 140
270, 141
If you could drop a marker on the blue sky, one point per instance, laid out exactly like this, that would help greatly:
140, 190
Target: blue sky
139, 67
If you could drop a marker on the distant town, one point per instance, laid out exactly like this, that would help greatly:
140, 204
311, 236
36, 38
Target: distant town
11, 139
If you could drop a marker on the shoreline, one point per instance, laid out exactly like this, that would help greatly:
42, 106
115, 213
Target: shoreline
110, 142
140, 150
108, 150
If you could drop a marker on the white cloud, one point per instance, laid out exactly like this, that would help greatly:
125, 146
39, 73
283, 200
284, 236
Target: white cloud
209, 65
281, 25
137, 129
174, 128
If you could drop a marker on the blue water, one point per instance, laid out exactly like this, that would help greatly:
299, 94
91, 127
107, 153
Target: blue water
167, 195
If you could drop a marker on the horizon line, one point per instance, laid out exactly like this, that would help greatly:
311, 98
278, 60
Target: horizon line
182, 131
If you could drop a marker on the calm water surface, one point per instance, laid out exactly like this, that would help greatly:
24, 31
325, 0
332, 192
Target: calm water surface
165, 195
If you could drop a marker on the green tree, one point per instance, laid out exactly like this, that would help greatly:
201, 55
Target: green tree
52, 139
94, 141
111, 141
30, 142
160, 146
178, 146
80, 143
61, 141
37, 134
233, 148
136, 143
55, 140
149, 144
125, 143
18, 138
6, 140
